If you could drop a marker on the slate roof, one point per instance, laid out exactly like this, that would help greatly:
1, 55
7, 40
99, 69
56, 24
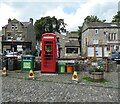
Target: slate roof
100, 24
72, 43
25, 24
93, 25
73, 35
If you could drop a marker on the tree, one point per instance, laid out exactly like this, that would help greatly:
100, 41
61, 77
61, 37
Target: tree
116, 18
49, 25
93, 19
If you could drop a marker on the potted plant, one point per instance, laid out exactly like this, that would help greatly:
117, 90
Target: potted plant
97, 73
48, 49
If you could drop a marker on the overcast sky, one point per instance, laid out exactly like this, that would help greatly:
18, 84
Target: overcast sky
72, 11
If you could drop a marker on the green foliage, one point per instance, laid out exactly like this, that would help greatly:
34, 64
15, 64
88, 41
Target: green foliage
87, 78
116, 18
97, 69
49, 25
93, 18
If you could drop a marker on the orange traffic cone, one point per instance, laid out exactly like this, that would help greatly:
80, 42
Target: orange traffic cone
4, 72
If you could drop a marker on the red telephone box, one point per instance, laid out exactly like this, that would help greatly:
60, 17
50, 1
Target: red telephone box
49, 52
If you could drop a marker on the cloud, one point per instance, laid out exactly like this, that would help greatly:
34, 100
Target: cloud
6, 12
72, 11
102, 9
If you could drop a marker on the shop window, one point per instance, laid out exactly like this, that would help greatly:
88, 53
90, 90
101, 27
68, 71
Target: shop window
72, 50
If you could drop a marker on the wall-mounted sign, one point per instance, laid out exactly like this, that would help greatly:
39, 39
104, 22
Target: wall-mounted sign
98, 51
107, 51
90, 51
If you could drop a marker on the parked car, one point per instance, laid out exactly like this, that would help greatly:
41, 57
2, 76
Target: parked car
116, 56
14, 54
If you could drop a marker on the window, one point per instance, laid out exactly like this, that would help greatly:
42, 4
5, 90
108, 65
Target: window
96, 31
14, 27
95, 41
72, 50
109, 36
19, 37
117, 48
9, 36
112, 36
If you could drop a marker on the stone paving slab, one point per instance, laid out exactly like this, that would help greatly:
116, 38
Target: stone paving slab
58, 88
19, 90
111, 77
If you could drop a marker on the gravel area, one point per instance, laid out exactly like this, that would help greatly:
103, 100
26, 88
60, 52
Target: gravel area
58, 88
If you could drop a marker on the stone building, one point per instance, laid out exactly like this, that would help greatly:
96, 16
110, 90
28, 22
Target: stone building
0, 43
97, 33
68, 45
61, 40
18, 35
72, 46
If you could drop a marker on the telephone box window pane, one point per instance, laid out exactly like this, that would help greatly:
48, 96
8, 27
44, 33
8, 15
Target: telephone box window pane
48, 46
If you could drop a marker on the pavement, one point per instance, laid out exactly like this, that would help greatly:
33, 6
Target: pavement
59, 88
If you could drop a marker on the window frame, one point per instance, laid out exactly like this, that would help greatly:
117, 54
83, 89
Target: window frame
74, 50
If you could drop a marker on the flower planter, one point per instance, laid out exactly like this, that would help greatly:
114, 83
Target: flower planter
97, 75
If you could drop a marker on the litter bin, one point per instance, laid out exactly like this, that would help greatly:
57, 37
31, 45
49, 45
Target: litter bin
4, 62
12, 62
28, 62
61, 67
70, 67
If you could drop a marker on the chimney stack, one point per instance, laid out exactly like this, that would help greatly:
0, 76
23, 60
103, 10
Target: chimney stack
9, 20
31, 20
